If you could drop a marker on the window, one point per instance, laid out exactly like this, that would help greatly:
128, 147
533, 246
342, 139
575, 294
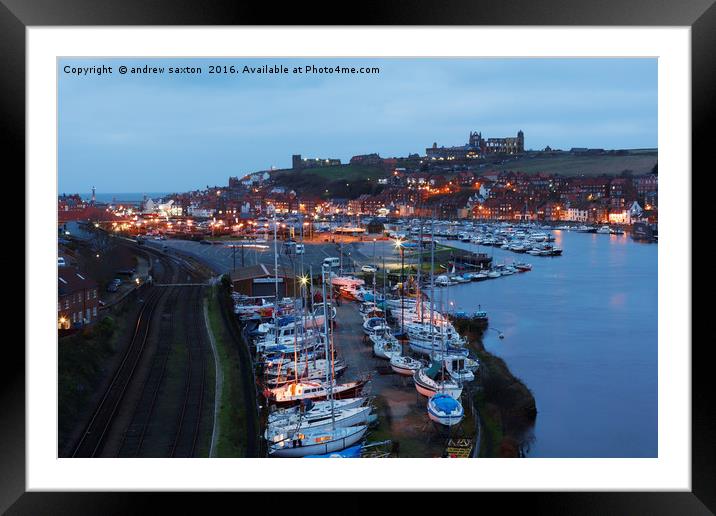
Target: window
88, 315
94, 311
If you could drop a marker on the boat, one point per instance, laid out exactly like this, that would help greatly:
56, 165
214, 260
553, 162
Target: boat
306, 371
315, 407
523, 267
478, 276
431, 380
375, 325
494, 274
385, 345
319, 310
458, 369
404, 365
296, 392
445, 410
346, 281
315, 420
604, 230
300, 444
444, 281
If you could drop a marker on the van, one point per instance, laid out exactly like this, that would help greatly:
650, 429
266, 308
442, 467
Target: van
332, 261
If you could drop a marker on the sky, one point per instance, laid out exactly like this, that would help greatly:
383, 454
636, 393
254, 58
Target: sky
179, 132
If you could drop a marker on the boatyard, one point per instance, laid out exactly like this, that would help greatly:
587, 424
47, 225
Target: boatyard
344, 365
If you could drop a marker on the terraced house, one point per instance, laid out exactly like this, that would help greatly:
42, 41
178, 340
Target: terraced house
77, 300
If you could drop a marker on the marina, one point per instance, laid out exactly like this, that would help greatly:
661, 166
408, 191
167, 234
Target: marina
399, 354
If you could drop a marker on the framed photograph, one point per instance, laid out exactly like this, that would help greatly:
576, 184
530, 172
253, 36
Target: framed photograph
411, 241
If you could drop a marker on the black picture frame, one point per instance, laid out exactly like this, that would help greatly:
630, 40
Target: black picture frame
17, 15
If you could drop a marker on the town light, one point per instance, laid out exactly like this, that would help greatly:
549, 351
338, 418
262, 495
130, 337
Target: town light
304, 280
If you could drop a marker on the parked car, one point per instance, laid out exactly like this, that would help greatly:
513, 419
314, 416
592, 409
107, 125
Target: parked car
204, 242
300, 249
369, 269
61, 261
112, 287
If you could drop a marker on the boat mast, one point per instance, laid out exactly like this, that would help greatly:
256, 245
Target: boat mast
328, 342
432, 284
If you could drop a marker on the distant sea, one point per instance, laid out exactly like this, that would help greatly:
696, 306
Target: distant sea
111, 197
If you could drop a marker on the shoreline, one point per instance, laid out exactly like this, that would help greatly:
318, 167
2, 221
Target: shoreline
506, 406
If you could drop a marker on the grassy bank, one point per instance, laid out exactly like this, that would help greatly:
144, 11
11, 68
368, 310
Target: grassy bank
82, 362
506, 405
232, 427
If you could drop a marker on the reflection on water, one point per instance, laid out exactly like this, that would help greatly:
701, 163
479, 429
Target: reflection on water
581, 332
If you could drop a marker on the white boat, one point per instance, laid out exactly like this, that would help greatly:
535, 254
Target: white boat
445, 410
478, 276
300, 444
460, 368
314, 421
604, 230
404, 365
316, 407
385, 345
494, 274
431, 380
319, 310
444, 281
375, 325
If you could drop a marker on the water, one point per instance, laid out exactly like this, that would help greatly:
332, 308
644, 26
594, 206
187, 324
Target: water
581, 332
110, 197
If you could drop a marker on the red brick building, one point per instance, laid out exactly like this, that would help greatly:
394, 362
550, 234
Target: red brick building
77, 299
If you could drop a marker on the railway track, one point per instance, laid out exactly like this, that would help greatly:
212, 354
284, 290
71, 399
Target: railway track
190, 415
95, 433
92, 439
133, 437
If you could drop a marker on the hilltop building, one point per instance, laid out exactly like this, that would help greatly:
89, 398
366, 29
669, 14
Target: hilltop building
478, 147
299, 163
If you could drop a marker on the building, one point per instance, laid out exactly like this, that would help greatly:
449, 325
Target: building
298, 163
77, 300
260, 281
478, 147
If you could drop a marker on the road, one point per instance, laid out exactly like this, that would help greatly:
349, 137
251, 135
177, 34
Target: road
222, 258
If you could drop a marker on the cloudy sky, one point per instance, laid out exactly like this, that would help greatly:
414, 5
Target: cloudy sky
156, 133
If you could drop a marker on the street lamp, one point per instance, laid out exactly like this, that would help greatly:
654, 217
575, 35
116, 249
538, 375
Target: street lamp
399, 245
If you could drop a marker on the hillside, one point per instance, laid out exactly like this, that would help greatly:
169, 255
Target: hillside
345, 181
638, 162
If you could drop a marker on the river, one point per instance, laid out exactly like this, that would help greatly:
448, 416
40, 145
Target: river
581, 331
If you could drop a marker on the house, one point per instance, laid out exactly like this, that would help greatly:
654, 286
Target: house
77, 299
260, 281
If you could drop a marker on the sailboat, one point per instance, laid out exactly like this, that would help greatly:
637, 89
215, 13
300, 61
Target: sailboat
405, 365
385, 345
299, 442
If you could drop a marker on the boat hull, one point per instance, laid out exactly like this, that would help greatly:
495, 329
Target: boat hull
318, 448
